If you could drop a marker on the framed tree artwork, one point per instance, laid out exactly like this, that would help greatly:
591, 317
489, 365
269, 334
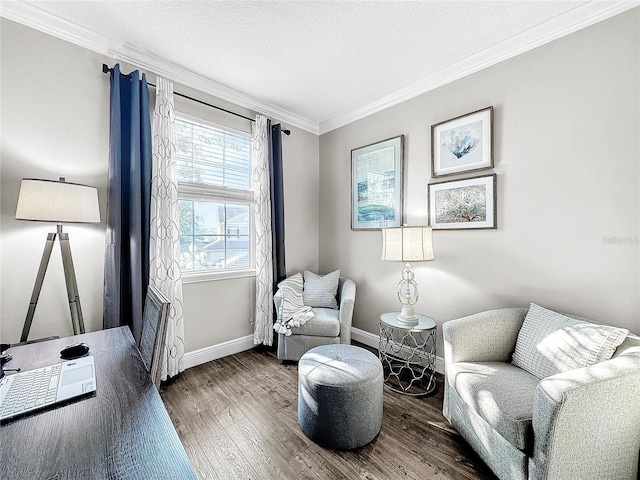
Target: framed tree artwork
462, 144
463, 204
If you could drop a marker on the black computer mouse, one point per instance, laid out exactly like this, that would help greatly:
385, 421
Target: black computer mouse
76, 350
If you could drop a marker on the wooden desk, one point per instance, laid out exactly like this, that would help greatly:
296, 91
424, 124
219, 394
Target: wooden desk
123, 432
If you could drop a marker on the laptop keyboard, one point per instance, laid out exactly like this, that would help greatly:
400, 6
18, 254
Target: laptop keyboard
30, 390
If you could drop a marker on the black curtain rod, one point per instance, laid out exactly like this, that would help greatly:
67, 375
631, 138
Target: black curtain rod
106, 69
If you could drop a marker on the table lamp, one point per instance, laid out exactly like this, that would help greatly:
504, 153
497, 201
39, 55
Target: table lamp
59, 202
407, 244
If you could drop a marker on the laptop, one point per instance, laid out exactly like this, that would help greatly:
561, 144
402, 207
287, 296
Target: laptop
43, 387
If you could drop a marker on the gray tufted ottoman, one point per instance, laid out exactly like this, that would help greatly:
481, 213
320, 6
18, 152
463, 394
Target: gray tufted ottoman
340, 396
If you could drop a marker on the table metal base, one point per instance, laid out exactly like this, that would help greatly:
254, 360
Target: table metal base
408, 356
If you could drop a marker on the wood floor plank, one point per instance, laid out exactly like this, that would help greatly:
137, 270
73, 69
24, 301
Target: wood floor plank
306, 467
200, 462
237, 417
268, 457
220, 449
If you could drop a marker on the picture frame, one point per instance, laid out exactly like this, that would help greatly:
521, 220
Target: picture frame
462, 144
465, 204
377, 185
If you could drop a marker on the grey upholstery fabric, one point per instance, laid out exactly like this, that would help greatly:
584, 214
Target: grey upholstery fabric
483, 337
340, 396
506, 461
585, 422
501, 393
294, 346
325, 323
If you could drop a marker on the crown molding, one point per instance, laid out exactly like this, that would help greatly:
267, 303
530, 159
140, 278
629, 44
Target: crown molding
179, 74
575, 19
39, 19
560, 26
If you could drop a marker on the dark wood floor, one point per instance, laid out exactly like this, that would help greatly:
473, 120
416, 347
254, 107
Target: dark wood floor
237, 418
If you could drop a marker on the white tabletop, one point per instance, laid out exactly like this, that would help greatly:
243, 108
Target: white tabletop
391, 320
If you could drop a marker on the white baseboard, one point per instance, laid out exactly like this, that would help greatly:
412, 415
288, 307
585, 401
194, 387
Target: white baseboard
224, 349
373, 340
237, 345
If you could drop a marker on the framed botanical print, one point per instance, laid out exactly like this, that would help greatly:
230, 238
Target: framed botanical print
462, 144
463, 204
376, 185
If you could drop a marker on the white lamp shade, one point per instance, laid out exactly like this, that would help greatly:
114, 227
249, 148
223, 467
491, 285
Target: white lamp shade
407, 244
57, 201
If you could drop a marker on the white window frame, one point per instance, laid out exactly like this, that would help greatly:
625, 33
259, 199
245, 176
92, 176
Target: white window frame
221, 194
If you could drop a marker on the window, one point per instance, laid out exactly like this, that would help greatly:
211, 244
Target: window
214, 181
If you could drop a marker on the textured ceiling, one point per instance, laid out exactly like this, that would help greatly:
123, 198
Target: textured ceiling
319, 60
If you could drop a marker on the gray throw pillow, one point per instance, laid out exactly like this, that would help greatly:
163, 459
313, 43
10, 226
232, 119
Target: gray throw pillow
320, 290
550, 343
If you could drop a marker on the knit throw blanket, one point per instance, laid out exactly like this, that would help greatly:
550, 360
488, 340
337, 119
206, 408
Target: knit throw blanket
292, 312
296, 319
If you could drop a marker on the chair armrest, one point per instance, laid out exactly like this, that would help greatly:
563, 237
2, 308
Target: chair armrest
484, 337
277, 300
586, 422
347, 301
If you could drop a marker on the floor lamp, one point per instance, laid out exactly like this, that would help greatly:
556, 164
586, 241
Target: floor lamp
58, 202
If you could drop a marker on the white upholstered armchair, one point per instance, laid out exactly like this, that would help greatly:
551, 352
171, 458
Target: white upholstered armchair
582, 423
327, 325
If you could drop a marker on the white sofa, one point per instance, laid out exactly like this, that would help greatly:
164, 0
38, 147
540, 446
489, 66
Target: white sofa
580, 424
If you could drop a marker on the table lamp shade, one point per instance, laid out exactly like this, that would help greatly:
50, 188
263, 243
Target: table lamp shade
57, 202
407, 244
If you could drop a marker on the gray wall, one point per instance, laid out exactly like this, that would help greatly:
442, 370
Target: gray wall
566, 149
566, 155
54, 114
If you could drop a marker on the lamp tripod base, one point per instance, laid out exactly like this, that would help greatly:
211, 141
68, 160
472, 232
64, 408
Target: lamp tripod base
77, 321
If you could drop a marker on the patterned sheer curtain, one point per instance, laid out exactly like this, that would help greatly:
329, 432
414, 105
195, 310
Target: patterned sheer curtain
263, 327
164, 245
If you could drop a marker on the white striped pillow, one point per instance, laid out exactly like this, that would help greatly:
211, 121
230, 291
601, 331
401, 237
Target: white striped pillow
320, 290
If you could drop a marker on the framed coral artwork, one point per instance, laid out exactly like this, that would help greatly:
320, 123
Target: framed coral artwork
462, 144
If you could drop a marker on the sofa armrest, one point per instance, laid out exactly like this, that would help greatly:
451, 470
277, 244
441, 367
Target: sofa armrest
586, 422
347, 301
484, 337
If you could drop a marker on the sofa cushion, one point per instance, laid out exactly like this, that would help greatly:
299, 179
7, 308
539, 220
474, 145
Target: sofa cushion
500, 393
550, 343
320, 290
325, 323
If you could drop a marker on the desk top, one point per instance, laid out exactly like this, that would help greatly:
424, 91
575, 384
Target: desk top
123, 432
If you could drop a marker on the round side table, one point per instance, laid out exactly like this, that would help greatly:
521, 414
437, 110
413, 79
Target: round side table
408, 355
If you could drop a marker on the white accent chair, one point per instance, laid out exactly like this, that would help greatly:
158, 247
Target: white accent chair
326, 327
